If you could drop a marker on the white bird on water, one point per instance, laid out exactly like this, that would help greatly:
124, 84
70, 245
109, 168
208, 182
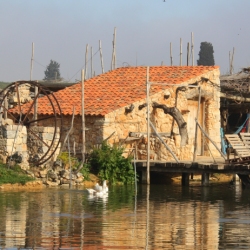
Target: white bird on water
98, 190
105, 188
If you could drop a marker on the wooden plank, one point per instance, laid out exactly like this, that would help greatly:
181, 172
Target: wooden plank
217, 167
204, 165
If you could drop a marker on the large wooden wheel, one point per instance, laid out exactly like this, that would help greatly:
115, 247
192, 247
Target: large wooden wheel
31, 105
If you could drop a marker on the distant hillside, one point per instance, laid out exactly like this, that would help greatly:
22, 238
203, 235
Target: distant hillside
4, 84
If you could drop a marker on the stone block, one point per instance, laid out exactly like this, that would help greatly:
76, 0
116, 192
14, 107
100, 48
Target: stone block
10, 134
48, 136
9, 142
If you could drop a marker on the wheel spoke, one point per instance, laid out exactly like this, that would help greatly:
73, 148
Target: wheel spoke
31, 106
18, 98
9, 113
40, 119
38, 138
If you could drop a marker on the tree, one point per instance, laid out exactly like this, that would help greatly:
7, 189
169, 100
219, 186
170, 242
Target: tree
206, 54
52, 71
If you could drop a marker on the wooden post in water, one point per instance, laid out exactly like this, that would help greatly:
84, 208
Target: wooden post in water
83, 119
148, 127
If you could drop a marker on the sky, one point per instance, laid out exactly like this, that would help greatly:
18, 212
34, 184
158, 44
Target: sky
61, 29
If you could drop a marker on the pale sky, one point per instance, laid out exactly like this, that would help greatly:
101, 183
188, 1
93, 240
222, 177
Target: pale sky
61, 29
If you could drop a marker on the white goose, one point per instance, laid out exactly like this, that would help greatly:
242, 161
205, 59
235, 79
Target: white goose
98, 191
105, 188
97, 187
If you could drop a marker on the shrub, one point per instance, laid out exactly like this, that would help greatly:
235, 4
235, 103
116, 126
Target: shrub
110, 165
75, 163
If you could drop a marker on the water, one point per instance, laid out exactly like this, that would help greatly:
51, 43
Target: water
159, 217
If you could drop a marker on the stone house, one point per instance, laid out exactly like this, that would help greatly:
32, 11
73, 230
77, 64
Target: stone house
115, 110
115, 105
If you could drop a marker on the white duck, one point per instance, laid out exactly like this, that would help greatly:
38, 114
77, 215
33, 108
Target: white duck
91, 191
98, 188
105, 188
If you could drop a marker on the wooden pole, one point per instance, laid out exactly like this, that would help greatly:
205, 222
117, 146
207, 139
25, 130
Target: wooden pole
192, 47
86, 61
113, 52
232, 61
31, 63
91, 61
36, 88
114, 48
180, 52
187, 54
83, 120
100, 48
148, 127
196, 126
171, 57
230, 72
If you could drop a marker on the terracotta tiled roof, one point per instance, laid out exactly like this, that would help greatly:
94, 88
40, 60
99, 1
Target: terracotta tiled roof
120, 87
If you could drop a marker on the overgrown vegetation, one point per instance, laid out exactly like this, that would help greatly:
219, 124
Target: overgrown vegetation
13, 175
75, 163
109, 164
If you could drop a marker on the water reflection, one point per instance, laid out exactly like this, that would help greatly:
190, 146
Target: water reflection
158, 217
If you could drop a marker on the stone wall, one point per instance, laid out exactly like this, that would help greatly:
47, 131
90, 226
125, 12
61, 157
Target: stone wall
118, 124
13, 144
19, 145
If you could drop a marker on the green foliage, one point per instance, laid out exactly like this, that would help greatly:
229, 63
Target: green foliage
52, 71
13, 175
66, 160
206, 54
110, 165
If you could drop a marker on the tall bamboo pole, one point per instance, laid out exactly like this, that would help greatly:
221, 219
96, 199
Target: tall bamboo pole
192, 47
171, 57
86, 61
36, 88
180, 52
113, 61
31, 63
148, 127
91, 52
83, 119
100, 48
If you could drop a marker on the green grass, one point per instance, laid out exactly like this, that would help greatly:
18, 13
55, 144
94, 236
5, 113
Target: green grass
13, 175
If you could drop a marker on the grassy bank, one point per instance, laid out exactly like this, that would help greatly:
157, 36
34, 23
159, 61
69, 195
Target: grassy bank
13, 175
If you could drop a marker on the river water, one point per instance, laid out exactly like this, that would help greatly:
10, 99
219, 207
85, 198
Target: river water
155, 217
